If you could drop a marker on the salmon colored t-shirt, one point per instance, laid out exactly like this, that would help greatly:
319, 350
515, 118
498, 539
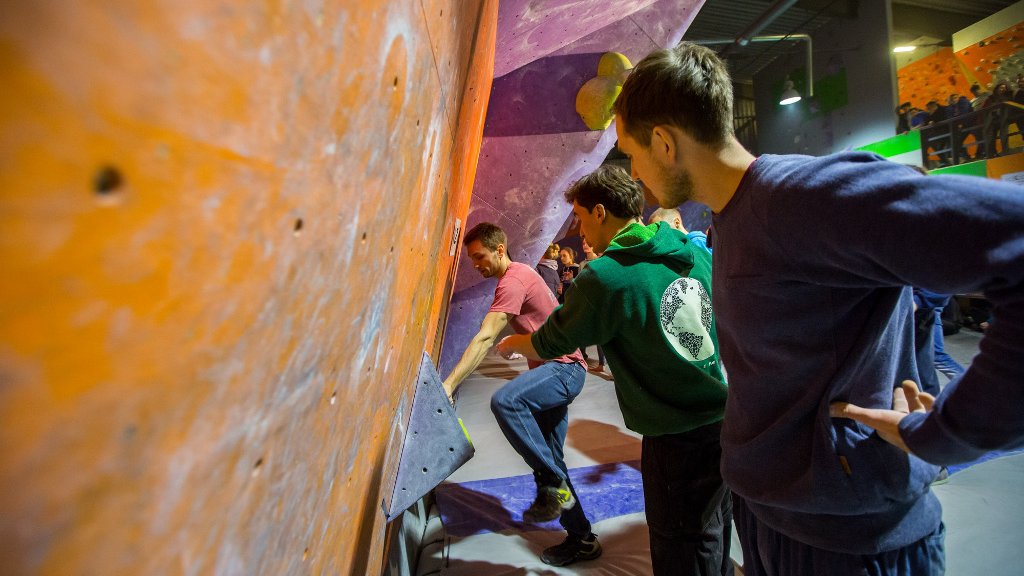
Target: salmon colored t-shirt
522, 293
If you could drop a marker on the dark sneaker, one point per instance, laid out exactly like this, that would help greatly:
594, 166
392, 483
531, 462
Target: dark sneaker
550, 502
572, 550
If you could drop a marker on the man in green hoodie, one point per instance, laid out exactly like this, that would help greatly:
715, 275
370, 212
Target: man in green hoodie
647, 302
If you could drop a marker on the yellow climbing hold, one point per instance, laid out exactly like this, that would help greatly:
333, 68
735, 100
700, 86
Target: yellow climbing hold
594, 100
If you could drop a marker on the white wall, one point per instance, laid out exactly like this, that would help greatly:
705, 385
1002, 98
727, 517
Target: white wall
994, 24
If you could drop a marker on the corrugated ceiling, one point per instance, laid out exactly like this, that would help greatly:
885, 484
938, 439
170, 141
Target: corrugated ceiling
720, 19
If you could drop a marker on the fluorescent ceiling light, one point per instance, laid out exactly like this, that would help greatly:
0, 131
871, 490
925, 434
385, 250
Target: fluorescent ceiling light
900, 49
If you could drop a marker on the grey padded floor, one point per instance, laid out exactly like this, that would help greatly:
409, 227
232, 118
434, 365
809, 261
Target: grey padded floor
983, 505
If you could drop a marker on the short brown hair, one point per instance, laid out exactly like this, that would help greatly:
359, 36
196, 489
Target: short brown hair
611, 187
490, 235
687, 86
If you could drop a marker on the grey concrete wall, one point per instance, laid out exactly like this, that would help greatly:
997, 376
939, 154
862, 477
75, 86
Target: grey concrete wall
858, 47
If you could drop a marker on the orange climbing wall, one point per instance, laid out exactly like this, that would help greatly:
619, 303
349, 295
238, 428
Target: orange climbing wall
224, 232
945, 72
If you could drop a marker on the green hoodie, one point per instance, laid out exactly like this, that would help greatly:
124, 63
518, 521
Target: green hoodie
647, 302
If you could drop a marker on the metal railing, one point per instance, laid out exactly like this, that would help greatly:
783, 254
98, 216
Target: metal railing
946, 141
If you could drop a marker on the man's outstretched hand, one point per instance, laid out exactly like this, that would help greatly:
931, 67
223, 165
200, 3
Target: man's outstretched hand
505, 349
905, 399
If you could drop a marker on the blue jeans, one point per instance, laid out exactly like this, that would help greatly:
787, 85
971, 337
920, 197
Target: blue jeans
944, 362
770, 553
924, 345
533, 413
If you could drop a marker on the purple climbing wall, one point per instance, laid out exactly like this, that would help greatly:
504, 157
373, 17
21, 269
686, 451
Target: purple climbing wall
535, 144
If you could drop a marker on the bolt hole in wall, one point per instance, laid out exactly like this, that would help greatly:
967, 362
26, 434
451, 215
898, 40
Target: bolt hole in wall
297, 228
334, 397
106, 183
256, 467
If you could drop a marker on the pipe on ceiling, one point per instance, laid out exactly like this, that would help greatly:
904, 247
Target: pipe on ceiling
774, 38
766, 18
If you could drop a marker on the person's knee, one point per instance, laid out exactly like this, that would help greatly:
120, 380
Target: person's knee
503, 400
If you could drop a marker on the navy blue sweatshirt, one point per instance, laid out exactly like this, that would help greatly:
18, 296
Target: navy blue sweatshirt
812, 262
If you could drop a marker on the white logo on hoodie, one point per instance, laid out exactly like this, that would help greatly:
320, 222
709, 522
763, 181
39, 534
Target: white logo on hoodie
686, 319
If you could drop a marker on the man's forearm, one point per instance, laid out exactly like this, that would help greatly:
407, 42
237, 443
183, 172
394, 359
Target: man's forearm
471, 358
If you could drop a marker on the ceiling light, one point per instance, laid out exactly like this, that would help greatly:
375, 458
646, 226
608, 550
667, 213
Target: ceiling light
901, 49
789, 95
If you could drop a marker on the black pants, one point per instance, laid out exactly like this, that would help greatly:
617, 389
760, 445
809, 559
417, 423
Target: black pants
689, 508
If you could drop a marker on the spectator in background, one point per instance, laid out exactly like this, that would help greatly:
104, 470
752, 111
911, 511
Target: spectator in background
996, 119
978, 101
548, 268
959, 105
977, 127
1015, 113
569, 270
1018, 93
959, 108
944, 363
902, 118
938, 141
924, 340
930, 342
672, 217
918, 118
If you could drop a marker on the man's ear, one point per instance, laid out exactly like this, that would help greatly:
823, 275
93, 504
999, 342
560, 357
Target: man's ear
600, 213
664, 144
500, 249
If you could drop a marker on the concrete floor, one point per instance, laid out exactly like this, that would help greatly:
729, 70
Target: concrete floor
982, 504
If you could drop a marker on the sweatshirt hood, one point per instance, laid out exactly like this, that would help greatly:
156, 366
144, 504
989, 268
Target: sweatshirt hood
548, 263
652, 241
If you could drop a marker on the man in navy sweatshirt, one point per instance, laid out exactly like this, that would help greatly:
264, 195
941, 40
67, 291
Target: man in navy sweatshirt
826, 443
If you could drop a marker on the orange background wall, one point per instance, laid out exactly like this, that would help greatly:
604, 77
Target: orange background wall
945, 72
224, 232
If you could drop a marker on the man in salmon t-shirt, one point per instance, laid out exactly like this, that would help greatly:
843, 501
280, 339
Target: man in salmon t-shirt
532, 409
